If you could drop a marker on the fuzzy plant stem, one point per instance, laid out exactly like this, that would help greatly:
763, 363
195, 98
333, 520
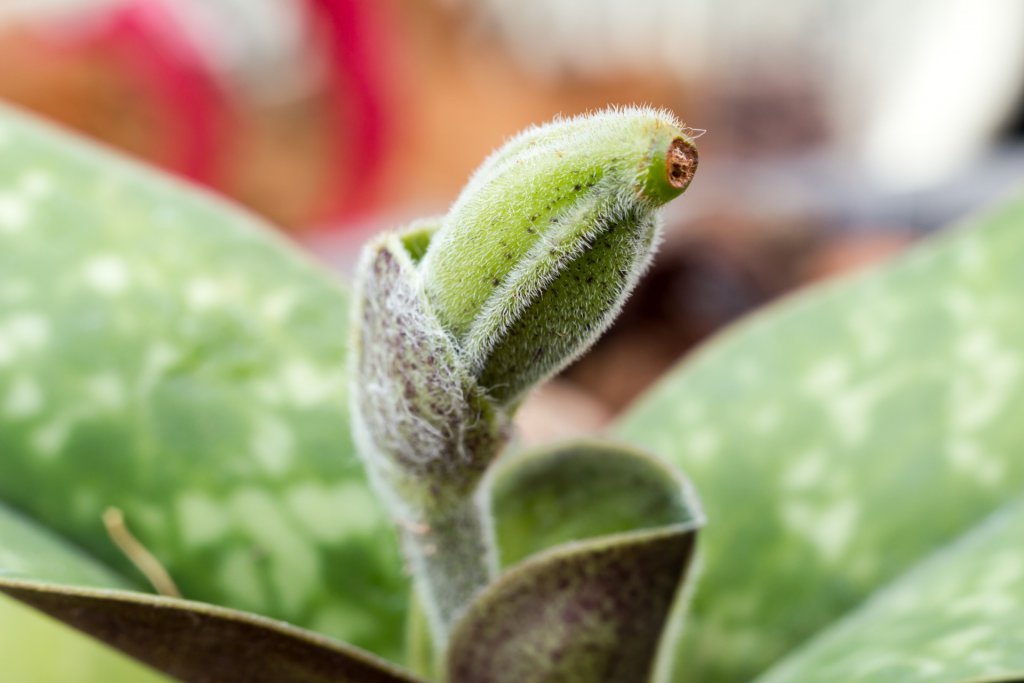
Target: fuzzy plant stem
460, 316
453, 556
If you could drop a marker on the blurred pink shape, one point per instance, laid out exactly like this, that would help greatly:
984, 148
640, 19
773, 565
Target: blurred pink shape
359, 97
147, 39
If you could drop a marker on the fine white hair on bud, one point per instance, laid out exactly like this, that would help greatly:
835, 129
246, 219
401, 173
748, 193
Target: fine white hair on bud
420, 420
537, 255
456, 318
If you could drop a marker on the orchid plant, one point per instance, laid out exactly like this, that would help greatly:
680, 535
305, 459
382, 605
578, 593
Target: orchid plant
218, 460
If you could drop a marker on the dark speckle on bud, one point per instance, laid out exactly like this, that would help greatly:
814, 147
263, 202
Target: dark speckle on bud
560, 205
461, 315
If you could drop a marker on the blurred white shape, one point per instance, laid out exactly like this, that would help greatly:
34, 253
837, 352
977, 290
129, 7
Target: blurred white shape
260, 47
959, 75
913, 88
21, 9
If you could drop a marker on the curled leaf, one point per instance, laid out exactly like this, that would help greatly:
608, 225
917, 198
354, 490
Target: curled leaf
425, 430
591, 612
584, 489
608, 537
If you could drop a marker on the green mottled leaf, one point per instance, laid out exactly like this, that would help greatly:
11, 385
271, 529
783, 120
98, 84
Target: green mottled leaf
191, 641
844, 435
166, 354
958, 617
28, 642
31, 552
591, 598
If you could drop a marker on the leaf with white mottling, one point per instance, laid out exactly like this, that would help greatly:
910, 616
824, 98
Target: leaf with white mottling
191, 641
202, 643
840, 437
959, 617
164, 353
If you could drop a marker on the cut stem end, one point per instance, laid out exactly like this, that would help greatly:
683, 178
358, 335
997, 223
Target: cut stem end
680, 163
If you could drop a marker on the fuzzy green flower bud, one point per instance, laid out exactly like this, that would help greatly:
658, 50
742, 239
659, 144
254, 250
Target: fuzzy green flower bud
537, 255
456, 318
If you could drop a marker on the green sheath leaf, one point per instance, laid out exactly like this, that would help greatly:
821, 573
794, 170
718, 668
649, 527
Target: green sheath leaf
424, 428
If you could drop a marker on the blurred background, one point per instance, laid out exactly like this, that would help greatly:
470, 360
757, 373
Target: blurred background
838, 131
